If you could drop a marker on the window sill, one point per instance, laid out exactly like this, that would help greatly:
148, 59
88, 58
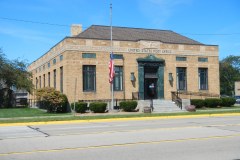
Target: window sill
89, 91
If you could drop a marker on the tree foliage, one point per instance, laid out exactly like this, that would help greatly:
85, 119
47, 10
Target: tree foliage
233, 60
14, 73
229, 73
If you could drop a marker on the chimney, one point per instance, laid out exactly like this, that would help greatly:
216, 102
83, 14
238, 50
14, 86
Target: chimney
76, 29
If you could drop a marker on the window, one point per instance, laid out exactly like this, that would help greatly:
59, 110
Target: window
54, 78
181, 58
203, 78
44, 85
61, 57
118, 78
36, 83
49, 78
89, 55
181, 78
201, 59
89, 78
49, 64
54, 61
43, 67
61, 79
117, 56
40, 85
39, 69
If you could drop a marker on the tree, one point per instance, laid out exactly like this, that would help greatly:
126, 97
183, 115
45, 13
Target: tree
229, 73
22, 76
13, 73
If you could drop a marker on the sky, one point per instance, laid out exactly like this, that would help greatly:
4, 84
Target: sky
29, 28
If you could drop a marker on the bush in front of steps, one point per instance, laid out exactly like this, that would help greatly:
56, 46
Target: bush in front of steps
198, 103
98, 107
212, 102
80, 107
128, 106
228, 101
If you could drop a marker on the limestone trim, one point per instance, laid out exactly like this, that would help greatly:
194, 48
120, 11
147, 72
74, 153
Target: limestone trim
55, 53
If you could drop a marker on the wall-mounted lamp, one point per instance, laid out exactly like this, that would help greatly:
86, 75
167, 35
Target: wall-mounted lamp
132, 77
170, 77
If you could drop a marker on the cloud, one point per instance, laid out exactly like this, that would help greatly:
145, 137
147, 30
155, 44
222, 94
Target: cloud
159, 11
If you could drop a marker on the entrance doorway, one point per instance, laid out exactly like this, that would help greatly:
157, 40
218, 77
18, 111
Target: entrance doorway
151, 77
150, 88
150, 82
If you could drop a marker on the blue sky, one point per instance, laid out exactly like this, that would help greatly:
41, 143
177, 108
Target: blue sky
207, 21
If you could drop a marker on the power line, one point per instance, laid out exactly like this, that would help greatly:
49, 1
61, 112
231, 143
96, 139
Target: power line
65, 25
27, 21
212, 34
37, 22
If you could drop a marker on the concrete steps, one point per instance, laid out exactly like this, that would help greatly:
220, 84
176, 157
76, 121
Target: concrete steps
160, 106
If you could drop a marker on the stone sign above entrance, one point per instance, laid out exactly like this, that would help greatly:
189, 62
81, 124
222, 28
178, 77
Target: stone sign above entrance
147, 50
119, 49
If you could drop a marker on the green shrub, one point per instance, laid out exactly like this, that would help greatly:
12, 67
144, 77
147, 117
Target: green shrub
98, 107
52, 100
198, 103
228, 101
64, 106
212, 102
128, 106
80, 107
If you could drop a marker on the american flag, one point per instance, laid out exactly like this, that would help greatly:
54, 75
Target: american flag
111, 68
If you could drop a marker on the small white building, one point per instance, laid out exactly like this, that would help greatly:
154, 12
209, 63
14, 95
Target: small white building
237, 88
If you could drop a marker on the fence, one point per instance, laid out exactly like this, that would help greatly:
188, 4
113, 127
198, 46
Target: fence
196, 95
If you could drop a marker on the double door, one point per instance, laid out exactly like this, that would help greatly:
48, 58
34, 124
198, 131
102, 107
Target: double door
150, 88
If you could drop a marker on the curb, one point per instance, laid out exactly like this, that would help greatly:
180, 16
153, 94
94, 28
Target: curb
119, 119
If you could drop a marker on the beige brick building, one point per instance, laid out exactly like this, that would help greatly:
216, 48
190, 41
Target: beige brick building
148, 63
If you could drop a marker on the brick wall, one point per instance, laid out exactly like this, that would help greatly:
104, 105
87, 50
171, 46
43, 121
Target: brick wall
71, 49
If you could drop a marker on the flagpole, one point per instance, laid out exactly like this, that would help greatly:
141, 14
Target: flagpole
111, 51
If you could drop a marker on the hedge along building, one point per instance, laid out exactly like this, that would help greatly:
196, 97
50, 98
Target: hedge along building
149, 63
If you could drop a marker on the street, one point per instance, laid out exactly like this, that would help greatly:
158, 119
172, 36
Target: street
213, 138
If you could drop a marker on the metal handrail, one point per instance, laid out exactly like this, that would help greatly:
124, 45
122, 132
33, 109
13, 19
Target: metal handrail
177, 99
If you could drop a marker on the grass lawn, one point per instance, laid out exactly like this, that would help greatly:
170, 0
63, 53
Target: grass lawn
36, 115
24, 112
219, 109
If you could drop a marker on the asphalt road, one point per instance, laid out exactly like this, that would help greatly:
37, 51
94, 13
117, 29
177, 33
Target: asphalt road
213, 138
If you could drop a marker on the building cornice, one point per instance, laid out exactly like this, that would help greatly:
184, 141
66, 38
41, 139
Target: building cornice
146, 47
